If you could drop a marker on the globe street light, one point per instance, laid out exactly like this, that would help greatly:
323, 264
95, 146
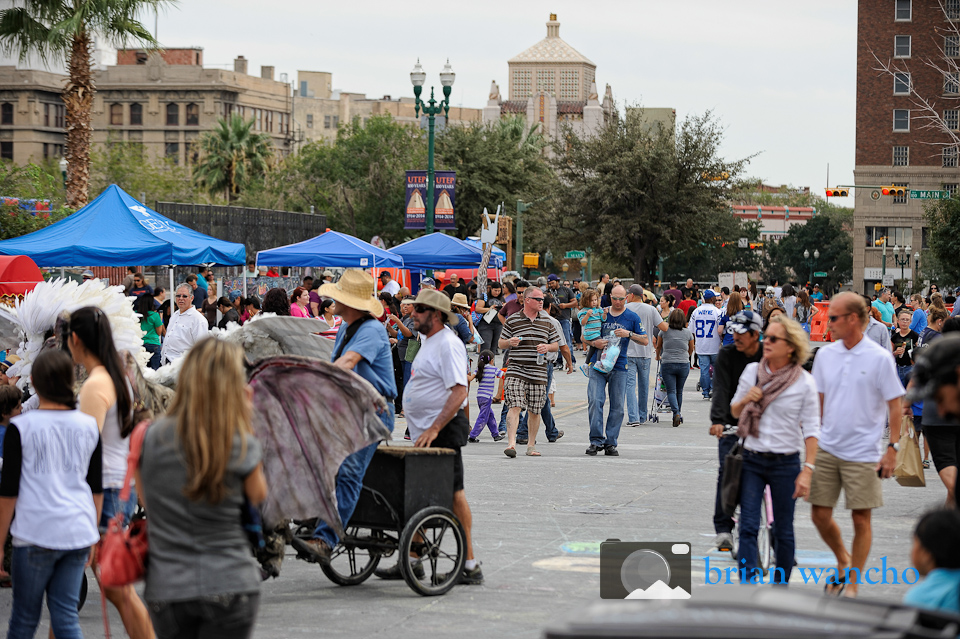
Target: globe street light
901, 261
811, 264
417, 78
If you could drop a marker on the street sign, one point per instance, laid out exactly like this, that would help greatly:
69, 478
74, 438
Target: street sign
888, 279
819, 273
743, 243
574, 255
929, 195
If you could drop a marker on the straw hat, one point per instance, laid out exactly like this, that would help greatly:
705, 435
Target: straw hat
437, 300
355, 289
460, 300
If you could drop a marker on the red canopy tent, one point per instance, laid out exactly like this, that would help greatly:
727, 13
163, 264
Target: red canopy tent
18, 275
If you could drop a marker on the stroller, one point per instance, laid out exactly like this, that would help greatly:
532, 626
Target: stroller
659, 403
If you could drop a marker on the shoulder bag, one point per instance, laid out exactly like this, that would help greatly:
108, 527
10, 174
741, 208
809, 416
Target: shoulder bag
730, 481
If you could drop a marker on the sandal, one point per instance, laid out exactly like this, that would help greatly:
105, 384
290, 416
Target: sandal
532, 452
926, 463
840, 585
510, 452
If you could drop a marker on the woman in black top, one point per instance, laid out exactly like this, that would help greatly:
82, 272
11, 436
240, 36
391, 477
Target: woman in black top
902, 341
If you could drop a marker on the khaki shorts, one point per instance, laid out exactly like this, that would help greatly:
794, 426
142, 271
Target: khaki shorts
527, 396
862, 489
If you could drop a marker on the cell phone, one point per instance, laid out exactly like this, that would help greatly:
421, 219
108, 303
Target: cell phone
880, 473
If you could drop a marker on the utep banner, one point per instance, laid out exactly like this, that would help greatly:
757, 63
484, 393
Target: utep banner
444, 198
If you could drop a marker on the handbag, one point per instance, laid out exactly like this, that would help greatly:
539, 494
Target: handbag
909, 468
730, 481
122, 554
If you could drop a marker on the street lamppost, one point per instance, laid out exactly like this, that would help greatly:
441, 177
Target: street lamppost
811, 264
417, 78
63, 171
916, 268
583, 269
901, 261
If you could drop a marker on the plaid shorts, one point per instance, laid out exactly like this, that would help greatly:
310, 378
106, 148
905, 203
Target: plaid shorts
527, 396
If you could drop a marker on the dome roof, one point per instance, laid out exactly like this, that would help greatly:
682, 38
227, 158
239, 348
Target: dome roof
551, 49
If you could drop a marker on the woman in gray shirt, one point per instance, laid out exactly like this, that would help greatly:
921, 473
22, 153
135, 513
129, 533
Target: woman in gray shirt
197, 465
674, 347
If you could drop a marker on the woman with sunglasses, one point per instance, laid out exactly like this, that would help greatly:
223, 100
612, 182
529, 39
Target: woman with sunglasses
778, 409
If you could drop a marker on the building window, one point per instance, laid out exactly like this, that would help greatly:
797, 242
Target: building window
46, 114
173, 114
116, 115
269, 118
901, 156
522, 79
952, 9
896, 236
901, 46
951, 83
326, 121
569, 85
903, 10
950, 156
59, 116
193, 115
6, 151
951, 46
192, 152
901, 83
902, 199
136, 114
901, 119
951, 189
951, 118
6, 113
545, 81
309, 120
336, 121
172, 151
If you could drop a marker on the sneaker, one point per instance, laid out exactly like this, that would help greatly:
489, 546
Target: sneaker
523, 440
676, 420
314, 551
467, 577
611, 451
592, 450
723, 542
498, 438
406, 435
473, 440
393, 573
633, 424
583, 369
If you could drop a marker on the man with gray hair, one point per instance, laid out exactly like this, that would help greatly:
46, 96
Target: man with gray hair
187, 325
639, 356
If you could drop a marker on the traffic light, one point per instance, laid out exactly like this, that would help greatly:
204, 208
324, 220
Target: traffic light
756, 245
838, 192
723, 175
896, 191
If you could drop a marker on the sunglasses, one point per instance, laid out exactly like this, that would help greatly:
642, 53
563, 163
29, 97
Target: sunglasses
773, 339
422, 308
535, 299
184, 296
834, 318
618, 299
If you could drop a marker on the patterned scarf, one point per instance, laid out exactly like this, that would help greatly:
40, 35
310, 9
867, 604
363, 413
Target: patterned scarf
772, 385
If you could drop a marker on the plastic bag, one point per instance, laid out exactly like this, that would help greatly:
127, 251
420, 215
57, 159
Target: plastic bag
609, 355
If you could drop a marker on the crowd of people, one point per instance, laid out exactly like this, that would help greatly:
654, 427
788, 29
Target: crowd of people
200, 465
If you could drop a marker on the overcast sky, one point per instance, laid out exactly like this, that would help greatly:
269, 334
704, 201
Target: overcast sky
780, 76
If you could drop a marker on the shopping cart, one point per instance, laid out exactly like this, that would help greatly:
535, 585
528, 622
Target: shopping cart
659, 403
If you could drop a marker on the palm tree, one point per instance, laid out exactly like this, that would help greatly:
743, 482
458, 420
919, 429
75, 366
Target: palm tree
54, 28
231, 155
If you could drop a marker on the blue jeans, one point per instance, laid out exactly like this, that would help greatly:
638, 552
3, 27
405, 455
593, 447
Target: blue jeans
722, 523
638, 385
616, 381
350, 483
546, 416
706, 378
903, 372
225, 616
58, 573
154, 350
112, 506
674, 376
407, 367
779, 473
568, 335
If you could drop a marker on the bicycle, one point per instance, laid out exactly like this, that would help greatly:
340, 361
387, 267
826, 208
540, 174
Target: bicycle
765, 554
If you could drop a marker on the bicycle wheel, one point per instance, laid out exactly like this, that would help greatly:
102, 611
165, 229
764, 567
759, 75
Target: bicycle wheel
735, 546
764, 538
435, 536
352, 562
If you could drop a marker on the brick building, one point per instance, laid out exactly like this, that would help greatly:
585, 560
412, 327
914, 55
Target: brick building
894, 143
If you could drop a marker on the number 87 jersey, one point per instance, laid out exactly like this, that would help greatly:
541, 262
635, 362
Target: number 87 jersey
705, 326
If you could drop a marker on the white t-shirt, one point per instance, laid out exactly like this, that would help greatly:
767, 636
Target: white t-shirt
392, 287
440, 365
705, 326
650, 318
792, 417
856, 385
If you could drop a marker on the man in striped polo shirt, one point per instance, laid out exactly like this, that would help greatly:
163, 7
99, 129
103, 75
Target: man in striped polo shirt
529, 337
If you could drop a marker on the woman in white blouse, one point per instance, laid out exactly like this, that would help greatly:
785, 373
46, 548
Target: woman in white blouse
779, 416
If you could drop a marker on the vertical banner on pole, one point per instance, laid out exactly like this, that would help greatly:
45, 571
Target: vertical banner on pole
444, 200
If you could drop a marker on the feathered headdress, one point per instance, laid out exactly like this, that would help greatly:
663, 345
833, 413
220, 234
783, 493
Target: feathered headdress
39, 310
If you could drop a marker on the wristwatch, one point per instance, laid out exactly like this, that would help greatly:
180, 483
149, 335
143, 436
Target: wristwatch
895, 446
809, 465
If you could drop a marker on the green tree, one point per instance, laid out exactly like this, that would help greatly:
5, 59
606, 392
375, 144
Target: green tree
828, 233
498, 162
29, 182
55, 28
636, 192
719, 254
231, 156
943, 220
126, 165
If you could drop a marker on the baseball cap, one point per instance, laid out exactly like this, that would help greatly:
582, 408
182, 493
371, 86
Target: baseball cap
635, 289
935, 366
552, 278
429, 281
328, 274
746, 321
88, 275
709, 294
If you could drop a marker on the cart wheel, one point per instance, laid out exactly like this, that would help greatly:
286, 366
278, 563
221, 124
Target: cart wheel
735, 546
349, 564
83, 593
435, 536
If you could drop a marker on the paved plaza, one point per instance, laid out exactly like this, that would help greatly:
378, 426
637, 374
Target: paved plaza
537, 524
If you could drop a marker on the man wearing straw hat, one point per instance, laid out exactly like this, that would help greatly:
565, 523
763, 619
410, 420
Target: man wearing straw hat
362, 346
433, 402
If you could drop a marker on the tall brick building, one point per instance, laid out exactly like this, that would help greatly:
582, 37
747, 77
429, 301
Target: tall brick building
894, 143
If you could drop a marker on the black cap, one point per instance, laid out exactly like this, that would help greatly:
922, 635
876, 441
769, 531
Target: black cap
935, 366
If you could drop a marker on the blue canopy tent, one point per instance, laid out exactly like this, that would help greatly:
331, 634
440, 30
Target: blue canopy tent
474, 242
330, 249
117, 230
442, 251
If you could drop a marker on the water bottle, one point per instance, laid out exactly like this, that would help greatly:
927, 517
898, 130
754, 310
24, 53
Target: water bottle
541, 358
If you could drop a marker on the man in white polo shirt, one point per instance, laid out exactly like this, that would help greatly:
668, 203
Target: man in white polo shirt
859, 392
